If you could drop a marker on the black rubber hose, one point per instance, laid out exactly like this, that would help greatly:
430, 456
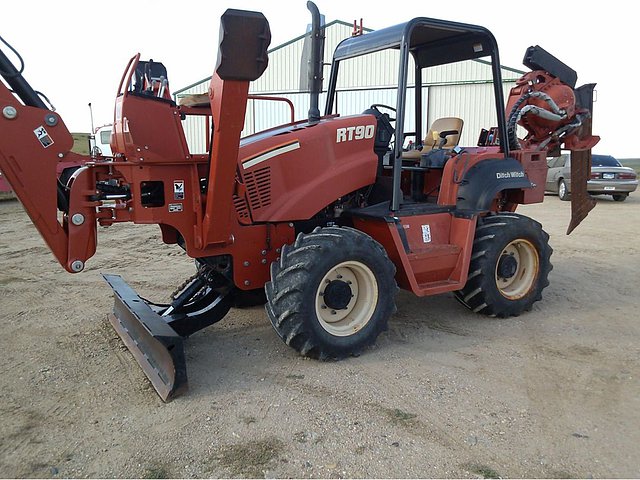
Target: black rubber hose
512, 123
15, 52
16, 81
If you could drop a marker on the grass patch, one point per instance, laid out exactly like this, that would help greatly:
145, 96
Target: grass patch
631, 162
7, 280
156, 472
562, 474
248, 420
80, 143
484, 471
400, 417
249, 459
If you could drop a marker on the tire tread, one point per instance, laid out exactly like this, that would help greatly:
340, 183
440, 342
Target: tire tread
288, 302
480, 294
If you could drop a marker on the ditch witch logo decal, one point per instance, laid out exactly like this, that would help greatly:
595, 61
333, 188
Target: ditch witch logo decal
514, 174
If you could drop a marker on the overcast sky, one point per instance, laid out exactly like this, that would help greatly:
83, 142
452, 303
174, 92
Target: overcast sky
75, 51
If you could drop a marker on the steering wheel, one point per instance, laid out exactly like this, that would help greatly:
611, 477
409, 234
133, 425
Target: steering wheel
377, 106
386, 130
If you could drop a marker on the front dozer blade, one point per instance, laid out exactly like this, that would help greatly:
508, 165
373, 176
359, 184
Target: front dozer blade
157, 348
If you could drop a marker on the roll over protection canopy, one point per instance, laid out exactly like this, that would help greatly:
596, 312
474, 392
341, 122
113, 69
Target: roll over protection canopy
426, 38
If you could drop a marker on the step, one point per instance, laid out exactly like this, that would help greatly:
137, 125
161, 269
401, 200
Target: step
441, 286
430, 251
433, 265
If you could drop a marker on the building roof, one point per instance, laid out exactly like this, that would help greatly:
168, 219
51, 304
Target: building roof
386, 35
274, 49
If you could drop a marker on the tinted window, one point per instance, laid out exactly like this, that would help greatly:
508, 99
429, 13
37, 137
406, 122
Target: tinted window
604, 161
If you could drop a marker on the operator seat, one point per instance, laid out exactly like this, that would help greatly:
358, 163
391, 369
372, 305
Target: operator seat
432, 139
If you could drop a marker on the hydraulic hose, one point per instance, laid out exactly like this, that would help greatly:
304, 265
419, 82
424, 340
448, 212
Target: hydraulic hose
16, 81
556, 114
15, 52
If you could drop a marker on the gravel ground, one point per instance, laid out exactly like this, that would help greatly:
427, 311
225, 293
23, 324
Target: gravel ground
444, 393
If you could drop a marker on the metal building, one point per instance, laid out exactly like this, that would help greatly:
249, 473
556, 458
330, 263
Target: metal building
461, 90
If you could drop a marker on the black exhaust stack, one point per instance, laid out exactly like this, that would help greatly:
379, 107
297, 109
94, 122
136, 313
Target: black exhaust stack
317, 62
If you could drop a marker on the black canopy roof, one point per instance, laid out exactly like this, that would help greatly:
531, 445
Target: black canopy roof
432, 42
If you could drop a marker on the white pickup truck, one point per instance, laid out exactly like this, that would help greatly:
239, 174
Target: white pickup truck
102, 140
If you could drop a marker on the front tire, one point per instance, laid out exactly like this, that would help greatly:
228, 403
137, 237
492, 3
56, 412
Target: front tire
331, 293
509, 267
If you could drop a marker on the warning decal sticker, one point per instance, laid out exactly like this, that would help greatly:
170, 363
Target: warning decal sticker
43, 137
426, 233
178, 189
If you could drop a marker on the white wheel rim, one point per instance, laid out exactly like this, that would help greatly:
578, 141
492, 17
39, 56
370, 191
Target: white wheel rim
562, 189
521, 282
364, 298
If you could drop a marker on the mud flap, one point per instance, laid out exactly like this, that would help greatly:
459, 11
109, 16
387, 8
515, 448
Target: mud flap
157, 348
581, 201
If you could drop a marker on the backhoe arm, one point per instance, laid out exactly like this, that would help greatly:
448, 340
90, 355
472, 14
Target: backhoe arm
33, 140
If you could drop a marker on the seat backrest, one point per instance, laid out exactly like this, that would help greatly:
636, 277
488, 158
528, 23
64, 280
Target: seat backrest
432, 139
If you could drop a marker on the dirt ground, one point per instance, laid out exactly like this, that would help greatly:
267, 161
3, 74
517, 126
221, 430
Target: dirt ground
444, 393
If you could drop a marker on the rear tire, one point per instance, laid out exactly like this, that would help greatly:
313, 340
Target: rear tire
620, 197
509, 267
331, 293
563, 191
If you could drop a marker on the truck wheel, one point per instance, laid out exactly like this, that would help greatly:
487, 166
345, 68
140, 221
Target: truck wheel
509, 268
331, 293
619, 197
563, 191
